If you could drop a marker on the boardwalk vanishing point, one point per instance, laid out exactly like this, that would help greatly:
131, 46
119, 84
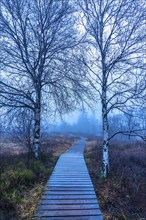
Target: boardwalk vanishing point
69, 193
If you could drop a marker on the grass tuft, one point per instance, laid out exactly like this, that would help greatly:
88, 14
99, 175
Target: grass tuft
122, 195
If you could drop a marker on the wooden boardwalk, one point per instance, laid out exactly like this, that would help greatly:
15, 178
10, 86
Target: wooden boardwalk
69, 193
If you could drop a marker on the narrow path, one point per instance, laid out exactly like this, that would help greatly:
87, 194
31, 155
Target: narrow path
69, 193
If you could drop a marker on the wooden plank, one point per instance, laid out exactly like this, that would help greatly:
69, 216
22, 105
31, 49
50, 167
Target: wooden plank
69, 201
56, 188
58, 213
69, 196
72, 187
71, 163
70, 180
82, 167
71, 177
78, 166
71, 218
67, 171
47, 192
76, 170
66, 182
71, 184
68, 207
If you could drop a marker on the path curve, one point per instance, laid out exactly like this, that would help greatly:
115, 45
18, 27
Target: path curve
69, 193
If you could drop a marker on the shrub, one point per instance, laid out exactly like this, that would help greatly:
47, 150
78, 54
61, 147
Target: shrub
11, 179
11, 185
24, 176
11, 198
38, 168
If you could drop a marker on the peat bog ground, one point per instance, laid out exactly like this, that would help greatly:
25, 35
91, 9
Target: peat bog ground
22, 178
122, 196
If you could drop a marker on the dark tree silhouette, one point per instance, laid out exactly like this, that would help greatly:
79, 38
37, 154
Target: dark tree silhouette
114, 31
39, 67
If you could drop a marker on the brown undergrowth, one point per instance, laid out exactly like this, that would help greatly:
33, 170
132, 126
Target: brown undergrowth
122, 196
22, 178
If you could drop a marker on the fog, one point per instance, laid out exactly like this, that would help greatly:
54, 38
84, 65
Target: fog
86, 124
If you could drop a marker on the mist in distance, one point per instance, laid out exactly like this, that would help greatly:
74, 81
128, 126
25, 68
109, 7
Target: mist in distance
86, 124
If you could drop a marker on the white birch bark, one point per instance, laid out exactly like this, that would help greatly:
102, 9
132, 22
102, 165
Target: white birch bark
37, 119
36, 142
105, 160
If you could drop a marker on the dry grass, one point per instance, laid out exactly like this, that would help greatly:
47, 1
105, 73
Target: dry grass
123, 195
58, 144
7, 148
28, 196
29, 202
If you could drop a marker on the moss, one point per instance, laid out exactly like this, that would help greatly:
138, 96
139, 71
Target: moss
23, 179
16, 181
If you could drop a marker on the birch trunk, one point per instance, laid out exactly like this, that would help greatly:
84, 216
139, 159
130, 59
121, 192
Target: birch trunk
105, 157
37, 119
36, 142
105, 160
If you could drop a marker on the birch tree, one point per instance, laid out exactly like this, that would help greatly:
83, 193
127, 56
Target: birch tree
37, 46
114, 31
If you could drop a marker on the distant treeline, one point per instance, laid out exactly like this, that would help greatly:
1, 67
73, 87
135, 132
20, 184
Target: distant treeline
119, 124
86, 125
